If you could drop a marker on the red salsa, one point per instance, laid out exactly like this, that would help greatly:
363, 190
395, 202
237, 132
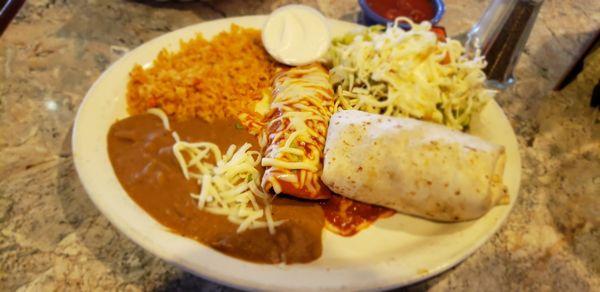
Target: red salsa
347, 217
417, 10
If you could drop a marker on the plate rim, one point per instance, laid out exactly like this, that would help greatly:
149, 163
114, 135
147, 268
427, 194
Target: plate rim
229, 279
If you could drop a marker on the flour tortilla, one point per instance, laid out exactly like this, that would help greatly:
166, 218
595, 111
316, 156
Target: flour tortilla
414, 167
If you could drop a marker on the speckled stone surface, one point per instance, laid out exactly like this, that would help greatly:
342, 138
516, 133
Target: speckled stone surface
53, 238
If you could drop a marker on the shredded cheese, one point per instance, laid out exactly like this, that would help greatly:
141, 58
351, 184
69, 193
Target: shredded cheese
162, 116
263, 105
398, 72
229, 183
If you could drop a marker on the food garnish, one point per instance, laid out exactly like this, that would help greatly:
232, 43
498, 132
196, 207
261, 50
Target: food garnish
411, 73
296, 35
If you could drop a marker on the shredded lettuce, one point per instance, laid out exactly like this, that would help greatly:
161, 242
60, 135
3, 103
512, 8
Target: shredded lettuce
410, 73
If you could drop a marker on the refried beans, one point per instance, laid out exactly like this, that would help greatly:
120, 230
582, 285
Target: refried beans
141, 155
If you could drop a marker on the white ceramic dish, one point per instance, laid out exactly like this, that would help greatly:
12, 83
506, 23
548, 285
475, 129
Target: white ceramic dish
394, 252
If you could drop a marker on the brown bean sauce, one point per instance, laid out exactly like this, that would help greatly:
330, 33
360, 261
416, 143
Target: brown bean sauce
140, 152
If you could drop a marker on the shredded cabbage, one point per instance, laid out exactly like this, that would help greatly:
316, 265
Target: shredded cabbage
410, 73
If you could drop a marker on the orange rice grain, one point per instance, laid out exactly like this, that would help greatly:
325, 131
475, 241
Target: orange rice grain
210, 80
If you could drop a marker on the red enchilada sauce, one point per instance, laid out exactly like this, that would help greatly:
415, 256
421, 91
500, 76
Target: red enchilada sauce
417, 10
347, 217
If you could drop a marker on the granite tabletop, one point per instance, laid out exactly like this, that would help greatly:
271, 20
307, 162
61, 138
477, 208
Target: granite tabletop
53, 238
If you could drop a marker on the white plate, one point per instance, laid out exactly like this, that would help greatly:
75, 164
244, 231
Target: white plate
396, 251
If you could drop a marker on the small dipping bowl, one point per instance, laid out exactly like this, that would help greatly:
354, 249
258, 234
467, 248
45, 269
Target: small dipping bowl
370, 17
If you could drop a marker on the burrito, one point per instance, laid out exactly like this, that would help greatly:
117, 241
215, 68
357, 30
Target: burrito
414, 167
295, 132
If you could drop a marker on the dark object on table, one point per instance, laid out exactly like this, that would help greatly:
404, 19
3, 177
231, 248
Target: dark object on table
8, 10
501, 34
578, 67
595, 101
384, 11
501, 51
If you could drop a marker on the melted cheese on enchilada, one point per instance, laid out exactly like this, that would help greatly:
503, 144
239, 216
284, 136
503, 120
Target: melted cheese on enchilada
295, 132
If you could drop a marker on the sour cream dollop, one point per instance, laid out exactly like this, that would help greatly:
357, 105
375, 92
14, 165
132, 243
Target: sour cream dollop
296, 35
